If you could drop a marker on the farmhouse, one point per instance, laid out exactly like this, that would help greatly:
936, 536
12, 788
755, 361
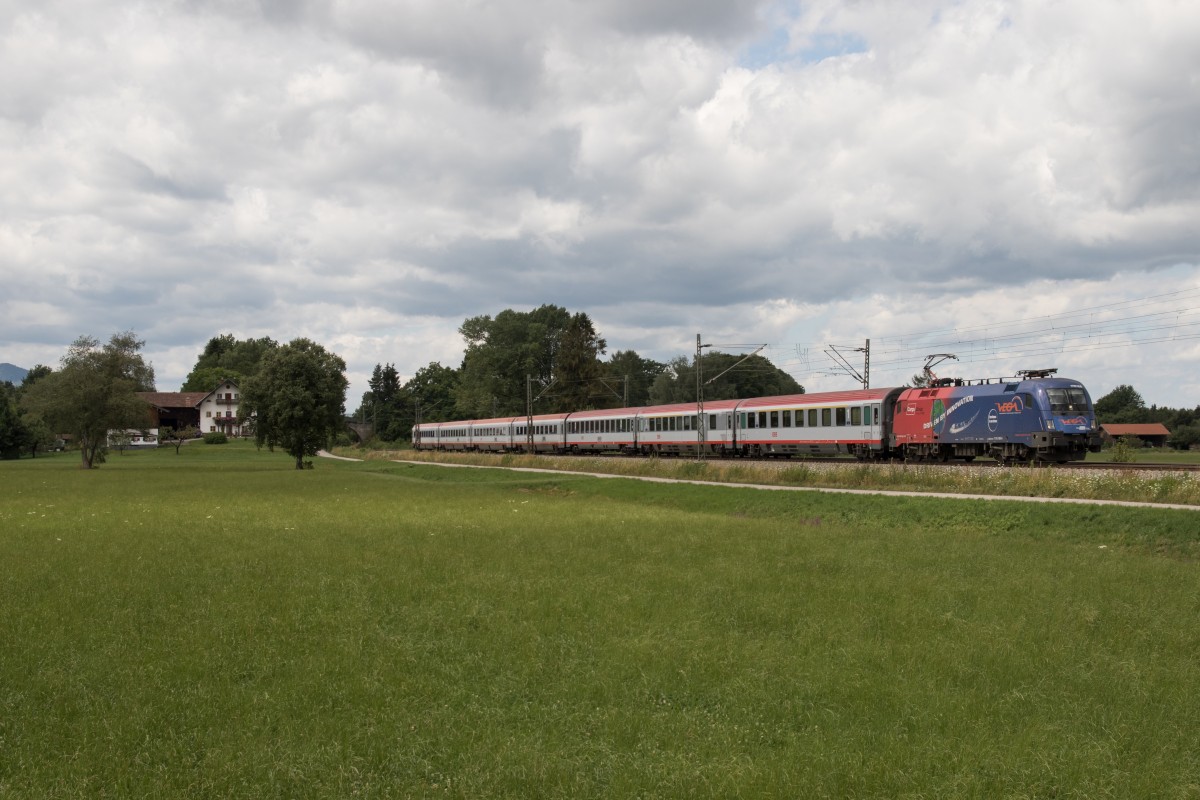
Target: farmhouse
210, 412
1151, 435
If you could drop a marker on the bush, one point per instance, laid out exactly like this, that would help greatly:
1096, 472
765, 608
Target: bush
215, 437
1124, 450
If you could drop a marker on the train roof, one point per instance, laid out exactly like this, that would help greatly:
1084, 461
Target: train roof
593, 413
818, 398
690, 408
499, 420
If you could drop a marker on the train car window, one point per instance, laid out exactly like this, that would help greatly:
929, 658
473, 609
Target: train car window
826, 417
787, 418
750, 420
712, 422
762, 419
840, 416
856, 415
799, 417
812, 417
774, 419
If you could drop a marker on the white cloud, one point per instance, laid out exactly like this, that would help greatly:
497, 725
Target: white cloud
212, 166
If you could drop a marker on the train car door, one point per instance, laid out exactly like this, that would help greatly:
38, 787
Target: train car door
873, 428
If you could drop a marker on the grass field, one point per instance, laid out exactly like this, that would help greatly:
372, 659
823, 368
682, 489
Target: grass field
217, 624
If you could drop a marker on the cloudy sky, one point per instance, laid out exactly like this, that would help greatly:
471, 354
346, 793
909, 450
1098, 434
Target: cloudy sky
1013, 181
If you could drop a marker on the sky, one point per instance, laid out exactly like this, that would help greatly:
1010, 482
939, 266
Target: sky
1015, 182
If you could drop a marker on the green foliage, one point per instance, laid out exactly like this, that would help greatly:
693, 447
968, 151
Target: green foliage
641, 373
433, 389
176, 437
1122, 406
578, 369
1125, 449
298, 397
1184, 437
215, 437
94, 391
206, 379
227, 358
501, 352
13, 433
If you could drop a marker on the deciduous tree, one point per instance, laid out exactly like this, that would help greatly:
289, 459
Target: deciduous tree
94, 391
578, 369
1123, 405
227, 358
297, 398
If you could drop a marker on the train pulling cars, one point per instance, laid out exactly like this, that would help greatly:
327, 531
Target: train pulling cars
1034, 417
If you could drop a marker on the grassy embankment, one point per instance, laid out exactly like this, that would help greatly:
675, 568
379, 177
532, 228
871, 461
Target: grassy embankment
216, 624
1139, 486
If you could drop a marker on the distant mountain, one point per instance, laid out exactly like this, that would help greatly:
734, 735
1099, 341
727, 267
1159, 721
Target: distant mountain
13, 373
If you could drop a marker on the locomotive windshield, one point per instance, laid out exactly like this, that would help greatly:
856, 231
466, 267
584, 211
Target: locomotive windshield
1067, 401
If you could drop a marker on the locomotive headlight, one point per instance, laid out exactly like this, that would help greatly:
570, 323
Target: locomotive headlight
1050, 425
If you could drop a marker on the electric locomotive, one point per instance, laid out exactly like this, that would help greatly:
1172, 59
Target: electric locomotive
1028, 418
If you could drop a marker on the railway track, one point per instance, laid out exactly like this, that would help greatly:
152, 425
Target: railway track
836, 462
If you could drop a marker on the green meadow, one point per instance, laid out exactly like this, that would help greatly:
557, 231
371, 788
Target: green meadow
218, 624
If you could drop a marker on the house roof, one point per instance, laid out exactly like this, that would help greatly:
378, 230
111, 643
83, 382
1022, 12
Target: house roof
1151, 429
173, 399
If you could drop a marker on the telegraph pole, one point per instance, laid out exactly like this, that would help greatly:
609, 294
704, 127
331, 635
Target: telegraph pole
867, 365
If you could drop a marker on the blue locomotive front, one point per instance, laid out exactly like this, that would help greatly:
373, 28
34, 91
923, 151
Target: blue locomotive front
1033, 417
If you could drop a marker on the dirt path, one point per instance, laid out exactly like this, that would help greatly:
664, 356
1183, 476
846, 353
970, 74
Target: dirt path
767, 487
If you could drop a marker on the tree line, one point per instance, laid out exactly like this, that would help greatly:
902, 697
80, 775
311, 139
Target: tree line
547, 358
550, 360
1124, 406
293, 395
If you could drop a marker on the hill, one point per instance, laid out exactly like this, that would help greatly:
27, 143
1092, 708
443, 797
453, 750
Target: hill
13, 373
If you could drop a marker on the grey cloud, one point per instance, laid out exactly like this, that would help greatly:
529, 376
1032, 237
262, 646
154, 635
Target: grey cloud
721, 20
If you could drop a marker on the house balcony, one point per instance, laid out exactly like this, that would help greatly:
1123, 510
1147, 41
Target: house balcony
227, 401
